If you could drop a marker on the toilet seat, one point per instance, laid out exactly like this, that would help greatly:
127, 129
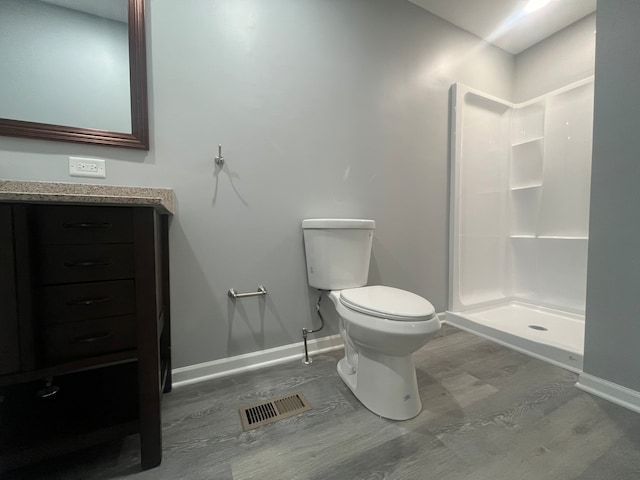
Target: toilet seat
387, 302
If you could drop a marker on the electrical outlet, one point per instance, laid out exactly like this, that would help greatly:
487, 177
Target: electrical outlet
87, 167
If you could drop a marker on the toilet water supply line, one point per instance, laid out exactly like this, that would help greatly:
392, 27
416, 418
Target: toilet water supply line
306, 360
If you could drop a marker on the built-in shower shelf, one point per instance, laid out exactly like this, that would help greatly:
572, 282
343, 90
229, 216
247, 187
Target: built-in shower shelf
549, 237
529, 140
526, 164
526, 187
562, 237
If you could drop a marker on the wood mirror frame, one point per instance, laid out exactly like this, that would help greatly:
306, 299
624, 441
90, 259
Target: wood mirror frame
139, 136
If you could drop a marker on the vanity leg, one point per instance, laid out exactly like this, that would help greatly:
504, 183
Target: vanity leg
165, 335
146, 222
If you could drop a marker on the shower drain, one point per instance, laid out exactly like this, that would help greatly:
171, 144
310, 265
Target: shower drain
538, 327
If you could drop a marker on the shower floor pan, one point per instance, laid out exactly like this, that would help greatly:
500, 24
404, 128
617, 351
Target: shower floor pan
551, 335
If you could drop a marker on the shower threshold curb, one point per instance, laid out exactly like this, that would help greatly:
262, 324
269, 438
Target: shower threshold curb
554, 355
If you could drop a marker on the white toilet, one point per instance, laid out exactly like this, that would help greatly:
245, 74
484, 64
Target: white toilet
381, 326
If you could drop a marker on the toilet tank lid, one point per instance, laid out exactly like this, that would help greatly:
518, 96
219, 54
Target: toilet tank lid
320, 223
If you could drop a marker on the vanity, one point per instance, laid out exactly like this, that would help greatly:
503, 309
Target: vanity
85, 347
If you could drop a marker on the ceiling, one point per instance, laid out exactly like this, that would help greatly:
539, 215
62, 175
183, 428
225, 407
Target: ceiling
505, 22
501, 22
111, 9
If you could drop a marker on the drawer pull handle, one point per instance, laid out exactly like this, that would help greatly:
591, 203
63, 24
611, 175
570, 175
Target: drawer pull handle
86, 225
88, 263
50, 390
89, 301
92, 338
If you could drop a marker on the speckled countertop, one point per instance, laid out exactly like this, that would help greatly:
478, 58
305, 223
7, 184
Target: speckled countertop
163, 199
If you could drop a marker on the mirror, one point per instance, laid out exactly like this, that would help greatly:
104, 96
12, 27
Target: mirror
74, 70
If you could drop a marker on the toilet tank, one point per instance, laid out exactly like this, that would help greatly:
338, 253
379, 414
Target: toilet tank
338, 251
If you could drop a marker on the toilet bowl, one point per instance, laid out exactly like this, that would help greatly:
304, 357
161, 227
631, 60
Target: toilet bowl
381, 326
378, 363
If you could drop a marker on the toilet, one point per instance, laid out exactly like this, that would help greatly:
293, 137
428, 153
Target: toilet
381, 326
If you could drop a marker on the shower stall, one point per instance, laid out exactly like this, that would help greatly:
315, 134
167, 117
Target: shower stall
520, 181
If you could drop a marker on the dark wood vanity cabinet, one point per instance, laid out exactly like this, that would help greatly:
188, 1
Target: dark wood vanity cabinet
85, 349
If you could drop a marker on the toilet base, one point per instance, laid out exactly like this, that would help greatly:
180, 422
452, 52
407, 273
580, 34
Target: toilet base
384, 384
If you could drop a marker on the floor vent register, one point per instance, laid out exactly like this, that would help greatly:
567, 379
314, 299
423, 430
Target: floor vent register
272, 411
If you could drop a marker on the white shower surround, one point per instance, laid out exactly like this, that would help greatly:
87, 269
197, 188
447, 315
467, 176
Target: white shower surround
520, 182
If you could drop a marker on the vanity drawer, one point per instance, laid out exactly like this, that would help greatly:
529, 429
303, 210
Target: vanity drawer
66, 341
85, 263
83, 301
57, 225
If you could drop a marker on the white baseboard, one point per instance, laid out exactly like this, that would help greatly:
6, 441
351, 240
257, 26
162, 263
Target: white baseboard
623, 396
252, 361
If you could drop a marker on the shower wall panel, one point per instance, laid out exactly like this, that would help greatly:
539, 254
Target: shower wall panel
564, 211
550, 199
481, 211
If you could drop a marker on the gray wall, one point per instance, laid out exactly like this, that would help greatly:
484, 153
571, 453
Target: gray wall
561, 59
613, 279
334, 108
63, 67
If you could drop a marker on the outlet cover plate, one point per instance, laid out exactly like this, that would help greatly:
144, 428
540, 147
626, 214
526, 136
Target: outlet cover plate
87, 167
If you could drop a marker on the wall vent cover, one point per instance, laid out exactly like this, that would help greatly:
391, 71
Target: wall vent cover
272, 411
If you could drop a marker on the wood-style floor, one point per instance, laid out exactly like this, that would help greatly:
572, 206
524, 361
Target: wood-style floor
489, 413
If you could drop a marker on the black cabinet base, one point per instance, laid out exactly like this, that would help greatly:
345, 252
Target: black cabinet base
82, 372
